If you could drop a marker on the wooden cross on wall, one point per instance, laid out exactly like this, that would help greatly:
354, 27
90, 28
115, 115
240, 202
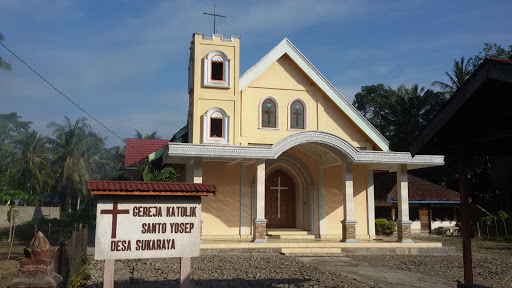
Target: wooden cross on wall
215, 15
279, 188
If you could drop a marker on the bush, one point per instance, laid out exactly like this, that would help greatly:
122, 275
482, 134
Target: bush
384, 227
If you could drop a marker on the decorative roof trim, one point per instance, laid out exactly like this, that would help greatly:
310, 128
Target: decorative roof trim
286, 47
311, 136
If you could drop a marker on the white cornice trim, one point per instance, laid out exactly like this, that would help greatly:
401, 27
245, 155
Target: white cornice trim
286, 47
351, 153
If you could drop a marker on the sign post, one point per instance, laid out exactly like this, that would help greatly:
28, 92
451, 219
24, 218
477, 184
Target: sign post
139, 225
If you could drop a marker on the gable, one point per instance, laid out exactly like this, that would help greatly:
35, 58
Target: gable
315, 77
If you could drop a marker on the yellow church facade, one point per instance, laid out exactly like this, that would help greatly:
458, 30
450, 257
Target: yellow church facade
284, 148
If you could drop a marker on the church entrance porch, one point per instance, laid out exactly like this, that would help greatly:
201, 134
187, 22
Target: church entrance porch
280, 200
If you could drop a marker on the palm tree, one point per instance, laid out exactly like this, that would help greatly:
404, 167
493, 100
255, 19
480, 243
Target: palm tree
460, 72
153, 135
30, 161
75, 151
4, 65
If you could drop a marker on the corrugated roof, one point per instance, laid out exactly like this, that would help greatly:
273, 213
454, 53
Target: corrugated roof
138, 149
150, 188
419, 190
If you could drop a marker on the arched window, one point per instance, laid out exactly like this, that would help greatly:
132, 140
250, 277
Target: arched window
297, 114
269, 113
216, 126
216, 70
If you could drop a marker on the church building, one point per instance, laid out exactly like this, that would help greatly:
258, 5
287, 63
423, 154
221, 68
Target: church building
283, 147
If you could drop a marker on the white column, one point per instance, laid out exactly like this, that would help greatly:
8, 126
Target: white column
349, 223
189, 172
402, 189
243, 199
321, 199
260, 229
371, 203
348, 197
198, 171
260, 190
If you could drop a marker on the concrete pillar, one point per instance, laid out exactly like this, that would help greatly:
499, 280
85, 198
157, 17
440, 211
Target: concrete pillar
321, 200
189, 172
260, 223
371, 203
312, 204
349, 223
198, 171
402, 190
243, 200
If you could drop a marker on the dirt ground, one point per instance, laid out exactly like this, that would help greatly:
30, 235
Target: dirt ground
492, 262
492, 267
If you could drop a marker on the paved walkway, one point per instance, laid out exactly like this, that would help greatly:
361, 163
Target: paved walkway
379, 276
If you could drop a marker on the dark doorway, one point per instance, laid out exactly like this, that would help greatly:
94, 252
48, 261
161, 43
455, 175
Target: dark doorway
280, 200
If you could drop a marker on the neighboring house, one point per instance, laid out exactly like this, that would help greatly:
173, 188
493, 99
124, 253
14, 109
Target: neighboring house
137, 151
283, 147
430, 205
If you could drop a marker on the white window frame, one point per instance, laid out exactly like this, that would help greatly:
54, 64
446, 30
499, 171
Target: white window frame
207, 68
260, 113
215, 112
290, 115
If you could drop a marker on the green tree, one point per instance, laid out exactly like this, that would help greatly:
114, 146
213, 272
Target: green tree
75, 151
4, 65
31, 161
10, 127
490, 50
150, 173
460, 72
153, 135
503, 215
398, 114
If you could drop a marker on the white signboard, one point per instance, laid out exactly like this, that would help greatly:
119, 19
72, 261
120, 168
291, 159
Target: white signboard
134, 227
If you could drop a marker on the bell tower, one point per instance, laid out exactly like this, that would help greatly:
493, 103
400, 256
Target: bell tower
214, 96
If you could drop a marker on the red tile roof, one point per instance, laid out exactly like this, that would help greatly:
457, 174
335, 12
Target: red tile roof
419, 189
138, 149
422, 190
150, 188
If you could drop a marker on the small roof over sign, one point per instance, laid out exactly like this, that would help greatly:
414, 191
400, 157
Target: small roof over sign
150, 188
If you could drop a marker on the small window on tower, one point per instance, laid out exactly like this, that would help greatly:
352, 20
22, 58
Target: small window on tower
216, 127
218, 70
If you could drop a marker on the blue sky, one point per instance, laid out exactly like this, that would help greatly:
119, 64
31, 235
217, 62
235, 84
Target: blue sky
126, 62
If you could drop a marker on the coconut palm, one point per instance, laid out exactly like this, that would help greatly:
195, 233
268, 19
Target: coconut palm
460, 72
4, 65
30, 161
74, 156
153, 135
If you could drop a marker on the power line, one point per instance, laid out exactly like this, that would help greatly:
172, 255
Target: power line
61, 93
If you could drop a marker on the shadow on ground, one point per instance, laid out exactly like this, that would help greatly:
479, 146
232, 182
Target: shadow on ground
238, 282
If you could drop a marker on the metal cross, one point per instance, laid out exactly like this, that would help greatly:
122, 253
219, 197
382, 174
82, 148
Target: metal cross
279, 188
114, 213
215, 15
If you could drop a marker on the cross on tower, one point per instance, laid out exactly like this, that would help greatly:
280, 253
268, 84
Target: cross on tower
114, 213
215, 15
279, 188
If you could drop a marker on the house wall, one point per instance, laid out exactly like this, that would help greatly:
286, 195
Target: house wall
221, 213
284, 81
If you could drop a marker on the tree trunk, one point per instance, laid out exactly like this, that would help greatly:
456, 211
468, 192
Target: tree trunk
478, 229
78, 205
505, 226
496, 224
10, 224
487, 231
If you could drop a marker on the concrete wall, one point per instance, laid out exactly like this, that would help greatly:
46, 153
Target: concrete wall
27, 213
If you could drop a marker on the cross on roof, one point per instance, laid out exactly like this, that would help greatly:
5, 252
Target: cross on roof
215, 15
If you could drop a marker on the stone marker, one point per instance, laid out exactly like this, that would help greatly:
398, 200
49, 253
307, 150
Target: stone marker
37, 269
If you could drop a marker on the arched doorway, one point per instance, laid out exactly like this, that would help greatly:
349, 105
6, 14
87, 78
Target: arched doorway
280, 200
